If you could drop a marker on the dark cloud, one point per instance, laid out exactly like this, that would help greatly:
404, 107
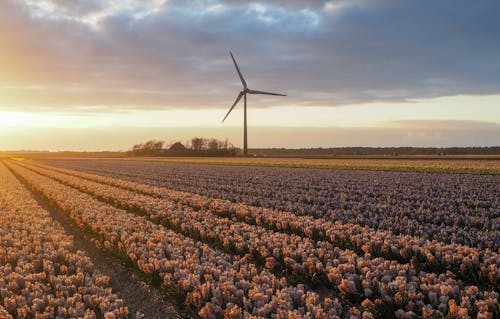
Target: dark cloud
148, 54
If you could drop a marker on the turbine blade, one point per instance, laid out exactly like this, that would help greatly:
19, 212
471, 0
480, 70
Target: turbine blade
266, 93
232, 107
239, 72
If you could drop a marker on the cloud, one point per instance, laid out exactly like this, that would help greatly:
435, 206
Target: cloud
71, 8
160, 54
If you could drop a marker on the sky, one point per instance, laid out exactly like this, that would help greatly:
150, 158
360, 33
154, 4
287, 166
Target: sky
106, 74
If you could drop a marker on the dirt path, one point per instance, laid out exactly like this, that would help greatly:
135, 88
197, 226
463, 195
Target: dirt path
143, 300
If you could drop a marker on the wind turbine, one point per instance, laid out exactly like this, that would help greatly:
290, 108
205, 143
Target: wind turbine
243, 94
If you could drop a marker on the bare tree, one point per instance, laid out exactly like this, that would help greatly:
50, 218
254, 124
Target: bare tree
213, 144
197, 143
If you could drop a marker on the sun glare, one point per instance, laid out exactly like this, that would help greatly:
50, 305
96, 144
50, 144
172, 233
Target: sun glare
11, 119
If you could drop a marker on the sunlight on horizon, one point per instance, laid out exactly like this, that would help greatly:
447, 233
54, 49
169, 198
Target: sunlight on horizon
454, 108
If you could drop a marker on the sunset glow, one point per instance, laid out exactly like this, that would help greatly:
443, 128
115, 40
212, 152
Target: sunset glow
160, 64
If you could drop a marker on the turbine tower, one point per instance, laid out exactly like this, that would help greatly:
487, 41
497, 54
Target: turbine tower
243, 94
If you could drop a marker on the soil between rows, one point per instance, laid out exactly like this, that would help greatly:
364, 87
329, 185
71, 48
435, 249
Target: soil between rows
142, 299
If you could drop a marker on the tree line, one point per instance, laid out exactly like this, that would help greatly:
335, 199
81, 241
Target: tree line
197, 146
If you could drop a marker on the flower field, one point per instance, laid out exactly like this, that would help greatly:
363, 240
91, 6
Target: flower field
252, 242
452, 208
40, 274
